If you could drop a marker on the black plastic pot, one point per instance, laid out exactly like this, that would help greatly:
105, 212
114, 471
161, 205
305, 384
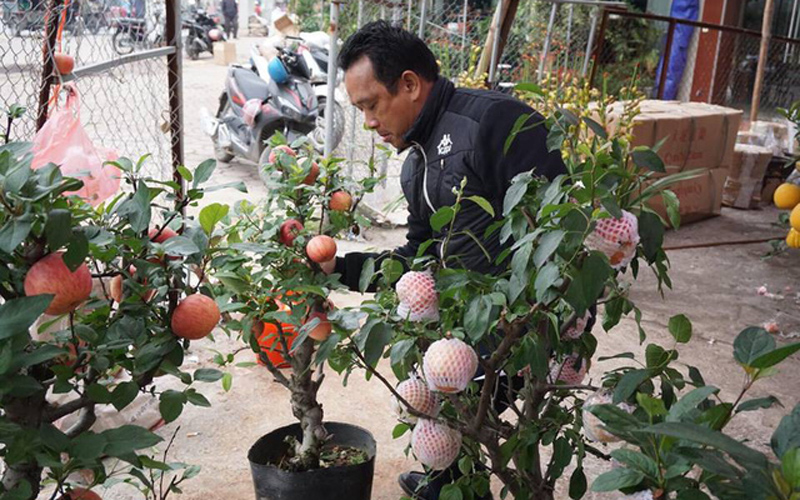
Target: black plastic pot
350, 482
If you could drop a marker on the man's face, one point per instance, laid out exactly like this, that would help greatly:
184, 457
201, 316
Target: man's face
390, 115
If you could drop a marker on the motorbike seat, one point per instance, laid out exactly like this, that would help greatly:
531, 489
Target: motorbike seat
250, 84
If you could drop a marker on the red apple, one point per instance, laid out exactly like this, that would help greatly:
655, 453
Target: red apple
273, 155
341, 201
195, 317
311, 178
165, 234
64, 63
289, 231
323, 328
50, 275
81, 494
321, 248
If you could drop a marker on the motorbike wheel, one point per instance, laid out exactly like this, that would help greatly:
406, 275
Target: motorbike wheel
222, 154
317, 135
123, 42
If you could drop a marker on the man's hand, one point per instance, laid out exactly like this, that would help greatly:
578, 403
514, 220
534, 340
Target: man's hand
329, 266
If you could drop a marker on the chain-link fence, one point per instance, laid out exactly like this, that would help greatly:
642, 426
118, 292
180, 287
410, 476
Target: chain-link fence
124, 87
720, 61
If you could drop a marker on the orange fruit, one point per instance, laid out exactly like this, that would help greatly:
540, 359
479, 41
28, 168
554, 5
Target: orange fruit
787, 196
793, 238
794, 218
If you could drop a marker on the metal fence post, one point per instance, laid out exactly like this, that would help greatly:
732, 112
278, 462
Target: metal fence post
333, 68
589, 42
601, 40
546, 47
351, 144
408, 19
763, 53
51, 32
174, 62
665, 64
464, 54
423, 11
496, 42
569, 35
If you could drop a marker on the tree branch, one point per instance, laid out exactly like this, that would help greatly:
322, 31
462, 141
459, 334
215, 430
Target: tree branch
85, 421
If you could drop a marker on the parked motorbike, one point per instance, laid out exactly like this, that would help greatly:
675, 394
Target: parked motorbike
252, 108
316, 58
134, 32
203, 32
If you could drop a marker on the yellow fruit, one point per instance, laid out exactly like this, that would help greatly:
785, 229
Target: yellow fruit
793, 238
794, 218
787, 196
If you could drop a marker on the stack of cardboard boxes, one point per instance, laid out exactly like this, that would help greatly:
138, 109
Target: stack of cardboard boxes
696, 136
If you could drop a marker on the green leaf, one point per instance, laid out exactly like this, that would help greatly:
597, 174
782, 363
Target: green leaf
207, 375
180, 246
211, 215
483, 203
227, 382
124, 394
547, 245
645, 157
772, 358
595, 127
758, 404
653, 406
14, 232
399, 430
577, 484
651, 230
128, 438
17, 315
657, 357
203, 172
515, 130
787, 435
77, 251
379, 337
137, 209
197, 399
58, 228
392, 269
545, 278
232, 281
689, 401
99, 393
751, 344
703, 435
185, 173
637, 461
629, 383
367, 273
790, 466
88, 446
692, 495
673, 206
17, 177
616, 479
442, 217
451, 492
588, 283
681, 328
529, 87
516, 192
171, 404
400, 350
477, 317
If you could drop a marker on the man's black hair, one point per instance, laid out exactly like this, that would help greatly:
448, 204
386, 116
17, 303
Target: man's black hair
392, 50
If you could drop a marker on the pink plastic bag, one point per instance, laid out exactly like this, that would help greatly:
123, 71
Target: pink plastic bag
63, 141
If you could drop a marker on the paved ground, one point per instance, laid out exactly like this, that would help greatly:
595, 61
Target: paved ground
715, 287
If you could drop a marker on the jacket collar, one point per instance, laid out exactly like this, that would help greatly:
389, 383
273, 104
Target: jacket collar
435, 105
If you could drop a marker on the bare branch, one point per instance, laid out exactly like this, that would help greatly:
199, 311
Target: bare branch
85, 421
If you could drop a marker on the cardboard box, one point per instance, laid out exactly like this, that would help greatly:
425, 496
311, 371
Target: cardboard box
746, 176
700, 197
224, 53
776, 136
286, 25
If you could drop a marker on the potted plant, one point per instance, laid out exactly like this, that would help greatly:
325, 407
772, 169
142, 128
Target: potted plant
268, 267
525, 330
107, 288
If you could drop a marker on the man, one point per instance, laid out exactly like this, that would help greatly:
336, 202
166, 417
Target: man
393, 78
230, 11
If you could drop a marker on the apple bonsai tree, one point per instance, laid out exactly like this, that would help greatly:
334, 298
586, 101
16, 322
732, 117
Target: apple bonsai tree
97, 304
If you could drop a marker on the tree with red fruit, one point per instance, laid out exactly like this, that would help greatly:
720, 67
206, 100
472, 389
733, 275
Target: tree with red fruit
64, 340
273, 264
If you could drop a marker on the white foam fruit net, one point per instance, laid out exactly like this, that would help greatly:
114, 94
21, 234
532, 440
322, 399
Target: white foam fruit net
435, 445
575, 331
418, 298
571, 371
592, 425
416, 393
616, 238
449, 365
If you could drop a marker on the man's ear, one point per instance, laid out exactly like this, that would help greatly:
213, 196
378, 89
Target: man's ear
411, 84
